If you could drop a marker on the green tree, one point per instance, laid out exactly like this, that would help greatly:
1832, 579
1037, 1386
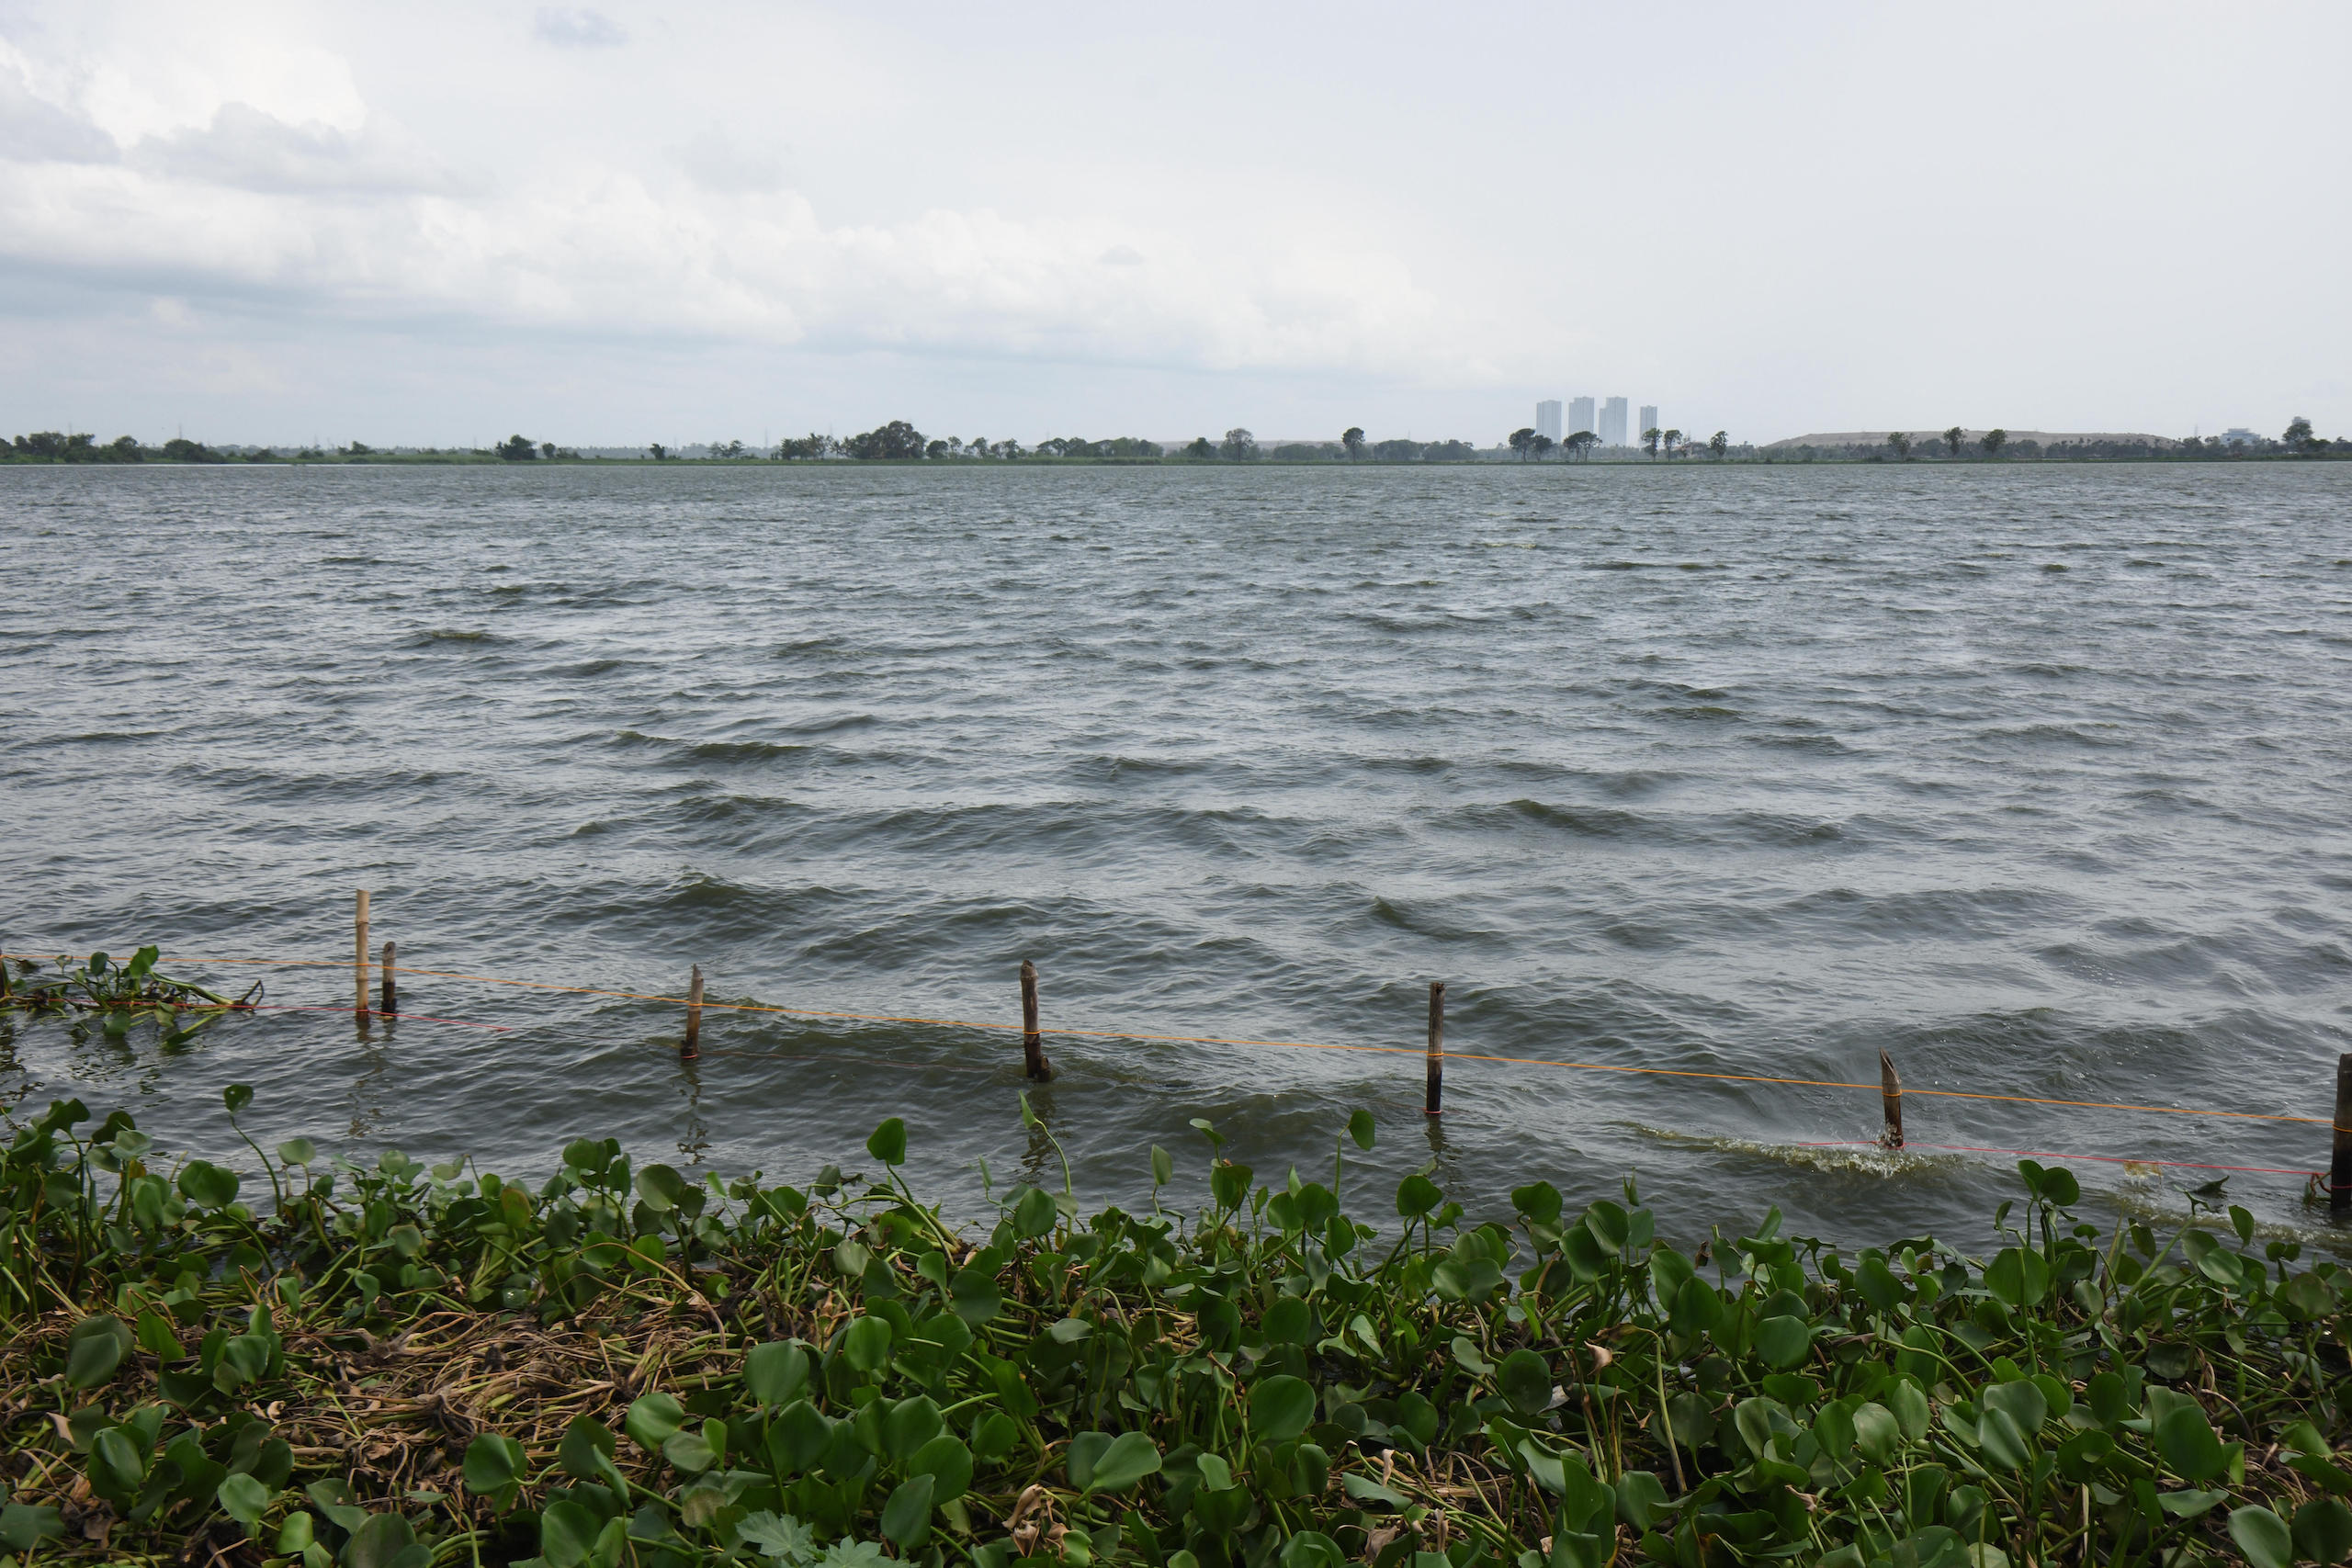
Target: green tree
1650, 439
546, 449
1351, 439
658, 451
886, 443
1238, 446
1521, 439
1900, 442
1992, 441
2298, 435
517, 449
1718, 443
1672, 439
1580, 445
1539, 445
1952, 441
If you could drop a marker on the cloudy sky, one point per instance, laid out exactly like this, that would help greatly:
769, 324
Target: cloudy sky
439, 223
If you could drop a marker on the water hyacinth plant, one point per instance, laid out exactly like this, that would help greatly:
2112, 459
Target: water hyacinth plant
394, 1367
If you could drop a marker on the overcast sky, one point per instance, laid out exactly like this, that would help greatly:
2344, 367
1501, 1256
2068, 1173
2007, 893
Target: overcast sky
618, 223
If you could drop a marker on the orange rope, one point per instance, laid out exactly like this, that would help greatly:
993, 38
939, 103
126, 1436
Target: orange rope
1278, 1045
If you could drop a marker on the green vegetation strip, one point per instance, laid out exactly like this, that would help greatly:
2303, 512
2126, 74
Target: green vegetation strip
318, 1364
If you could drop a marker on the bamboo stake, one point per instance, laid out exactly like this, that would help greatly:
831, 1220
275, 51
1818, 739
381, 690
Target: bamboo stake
691, 1046
359, 958
2339, 1171
1890, 1089
391, 1002
1433, 1095
1032, 1043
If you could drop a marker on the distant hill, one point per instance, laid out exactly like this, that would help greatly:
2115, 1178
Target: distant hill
1970, 437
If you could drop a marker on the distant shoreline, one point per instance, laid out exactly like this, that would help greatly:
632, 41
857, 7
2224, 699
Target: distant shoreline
1484, 460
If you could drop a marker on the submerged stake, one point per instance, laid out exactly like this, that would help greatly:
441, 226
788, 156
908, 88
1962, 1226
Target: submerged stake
1434, 1095
391, 1002
1033, 1045
1890, 1089
2340, 1167
691, 1046
359, 958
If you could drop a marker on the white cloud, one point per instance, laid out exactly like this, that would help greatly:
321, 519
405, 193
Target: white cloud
577, 27
247, 148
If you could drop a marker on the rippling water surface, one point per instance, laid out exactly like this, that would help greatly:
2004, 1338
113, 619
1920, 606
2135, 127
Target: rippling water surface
2035, 778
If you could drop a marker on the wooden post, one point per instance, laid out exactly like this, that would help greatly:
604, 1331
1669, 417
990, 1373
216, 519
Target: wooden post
1890, 1089
391, 1002
1032, 1043
1433, 1097
359, 958
691, 1046
2339, 1172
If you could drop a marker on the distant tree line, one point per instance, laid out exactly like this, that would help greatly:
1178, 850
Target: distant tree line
1955, 445
900, 441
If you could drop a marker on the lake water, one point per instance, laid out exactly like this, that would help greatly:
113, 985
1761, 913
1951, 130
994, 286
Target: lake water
2034, 777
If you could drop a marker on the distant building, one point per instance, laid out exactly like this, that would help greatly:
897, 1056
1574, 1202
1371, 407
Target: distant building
1547, 418
1649, 420
1580, 415
2240, 438
1612, 423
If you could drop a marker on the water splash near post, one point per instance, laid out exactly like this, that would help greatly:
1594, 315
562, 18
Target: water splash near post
1890, 1089
1433, 1095
1032, 1043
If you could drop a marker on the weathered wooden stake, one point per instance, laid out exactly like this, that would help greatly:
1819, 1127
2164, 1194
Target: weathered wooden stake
391, 1002
691, 1046
359, 958
1033, 1045
2339, 1171
1432, 1098
1890, 1089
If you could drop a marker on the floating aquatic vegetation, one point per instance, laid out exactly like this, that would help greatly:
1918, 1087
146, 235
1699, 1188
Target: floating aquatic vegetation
392, 1366
119, 994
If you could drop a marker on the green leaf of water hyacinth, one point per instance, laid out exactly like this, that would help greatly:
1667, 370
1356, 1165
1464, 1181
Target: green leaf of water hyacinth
2188, 1444
2323, 1530
95, 1350
865, 1344
242, 1498
888, 1142
1784, 1342
1525, 1380
1416, 1196
973, 1292
207, 1185
2263, 1536
652, 1418
1033, 1213
1280, 1407
567, 1534
775, 1372
1130, 1457
1359, 1130
906, 1517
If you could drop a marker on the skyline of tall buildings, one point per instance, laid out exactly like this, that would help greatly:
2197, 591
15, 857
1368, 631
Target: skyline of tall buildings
1612, 427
